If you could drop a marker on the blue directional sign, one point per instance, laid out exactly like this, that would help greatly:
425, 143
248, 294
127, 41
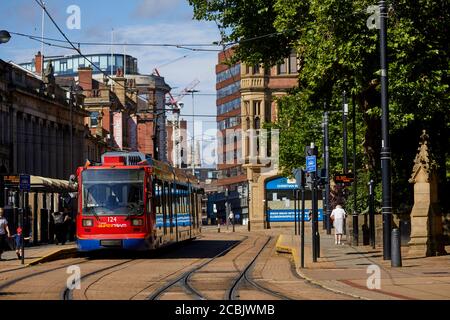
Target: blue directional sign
25, 182
311, 163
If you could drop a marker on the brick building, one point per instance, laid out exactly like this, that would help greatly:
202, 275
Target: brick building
259, 90
231, 175
123, 111
42, 134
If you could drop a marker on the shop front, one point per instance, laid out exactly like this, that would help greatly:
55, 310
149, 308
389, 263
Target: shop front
282, 206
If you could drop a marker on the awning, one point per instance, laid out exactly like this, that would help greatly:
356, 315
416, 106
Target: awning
41, 184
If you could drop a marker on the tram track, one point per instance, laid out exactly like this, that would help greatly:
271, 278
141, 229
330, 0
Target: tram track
245, 275
67, 293
232, 293
38, 273
183, 280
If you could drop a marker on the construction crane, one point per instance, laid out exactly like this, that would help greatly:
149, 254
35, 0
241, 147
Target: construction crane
176, 105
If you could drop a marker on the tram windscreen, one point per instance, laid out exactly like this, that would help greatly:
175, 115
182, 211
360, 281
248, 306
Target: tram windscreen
113, 192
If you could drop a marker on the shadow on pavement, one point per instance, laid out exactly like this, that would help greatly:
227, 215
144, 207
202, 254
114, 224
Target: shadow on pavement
196, 249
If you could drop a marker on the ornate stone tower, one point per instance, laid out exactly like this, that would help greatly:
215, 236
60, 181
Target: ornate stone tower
426, 219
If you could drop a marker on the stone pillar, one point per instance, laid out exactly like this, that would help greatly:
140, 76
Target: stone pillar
426, 220
29, 151
60, 158
21, 141
37, 146
45, 149
54, 163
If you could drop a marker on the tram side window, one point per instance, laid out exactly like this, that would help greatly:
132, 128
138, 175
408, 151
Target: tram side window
168, 203
158, 203
175, 207
184, 202
148, 197
199, 208
193, 209
188, 205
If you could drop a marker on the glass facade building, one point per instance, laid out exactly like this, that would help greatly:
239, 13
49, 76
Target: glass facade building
68, 65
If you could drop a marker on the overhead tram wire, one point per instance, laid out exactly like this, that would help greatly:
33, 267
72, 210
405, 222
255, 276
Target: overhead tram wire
169, 45
39, 2
175, 45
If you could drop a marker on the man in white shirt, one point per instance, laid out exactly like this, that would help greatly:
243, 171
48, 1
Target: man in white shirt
4, 231
338, 216
230, 217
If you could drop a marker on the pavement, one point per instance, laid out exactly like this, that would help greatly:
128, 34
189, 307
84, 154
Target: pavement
352, 270
37, 254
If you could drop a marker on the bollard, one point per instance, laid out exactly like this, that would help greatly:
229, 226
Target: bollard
218, 227
396, 252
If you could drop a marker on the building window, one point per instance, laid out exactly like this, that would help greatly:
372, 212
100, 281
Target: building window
256, 107
94, 119
229, 90
282, 68
103, 62
228, 73
63, 66
256, 69
228, 106
293, 63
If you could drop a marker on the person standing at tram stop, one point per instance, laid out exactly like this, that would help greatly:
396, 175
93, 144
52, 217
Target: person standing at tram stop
338, 216
230, 217
4, 232
58, 219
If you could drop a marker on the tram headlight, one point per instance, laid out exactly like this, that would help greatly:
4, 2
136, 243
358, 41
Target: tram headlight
88, 223
137, 222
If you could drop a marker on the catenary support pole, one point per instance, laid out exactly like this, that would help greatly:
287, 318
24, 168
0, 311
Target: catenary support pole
386, 207
371, 215
302, 240
327, 173
355, 183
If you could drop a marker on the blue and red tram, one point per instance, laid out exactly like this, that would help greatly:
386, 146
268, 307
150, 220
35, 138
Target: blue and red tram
132, 202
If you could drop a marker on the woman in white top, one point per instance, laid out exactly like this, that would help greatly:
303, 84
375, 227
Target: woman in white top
4, 231
338, 215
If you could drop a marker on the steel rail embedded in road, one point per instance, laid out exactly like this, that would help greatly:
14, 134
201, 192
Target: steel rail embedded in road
184, 278
34, 274
67, 293
245, 275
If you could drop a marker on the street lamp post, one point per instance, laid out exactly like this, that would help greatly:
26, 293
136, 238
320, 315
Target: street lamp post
327, 172
4, 36
192, 91
344, 124
385, 155
355, 183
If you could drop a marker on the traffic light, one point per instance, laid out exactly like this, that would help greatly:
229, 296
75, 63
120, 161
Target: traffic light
323, 177
311, 150
300, 178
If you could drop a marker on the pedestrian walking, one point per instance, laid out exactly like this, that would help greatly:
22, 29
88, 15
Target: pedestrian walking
230, 217
338, 216
67, 222
58, 219
18, 241
4, 232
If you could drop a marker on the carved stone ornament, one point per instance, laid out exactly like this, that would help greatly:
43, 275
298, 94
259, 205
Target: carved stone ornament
422, 161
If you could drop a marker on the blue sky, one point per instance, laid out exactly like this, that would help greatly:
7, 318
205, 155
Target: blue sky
138, 21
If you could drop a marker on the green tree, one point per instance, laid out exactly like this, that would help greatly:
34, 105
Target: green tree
337, 52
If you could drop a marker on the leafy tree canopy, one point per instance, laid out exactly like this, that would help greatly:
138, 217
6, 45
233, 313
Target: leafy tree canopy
338, 52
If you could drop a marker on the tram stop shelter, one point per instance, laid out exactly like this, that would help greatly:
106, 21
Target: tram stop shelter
46, 196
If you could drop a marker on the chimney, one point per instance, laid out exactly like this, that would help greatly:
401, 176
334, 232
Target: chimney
85, 78
38, 63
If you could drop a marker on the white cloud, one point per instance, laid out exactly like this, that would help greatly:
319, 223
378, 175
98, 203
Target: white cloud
155, 8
